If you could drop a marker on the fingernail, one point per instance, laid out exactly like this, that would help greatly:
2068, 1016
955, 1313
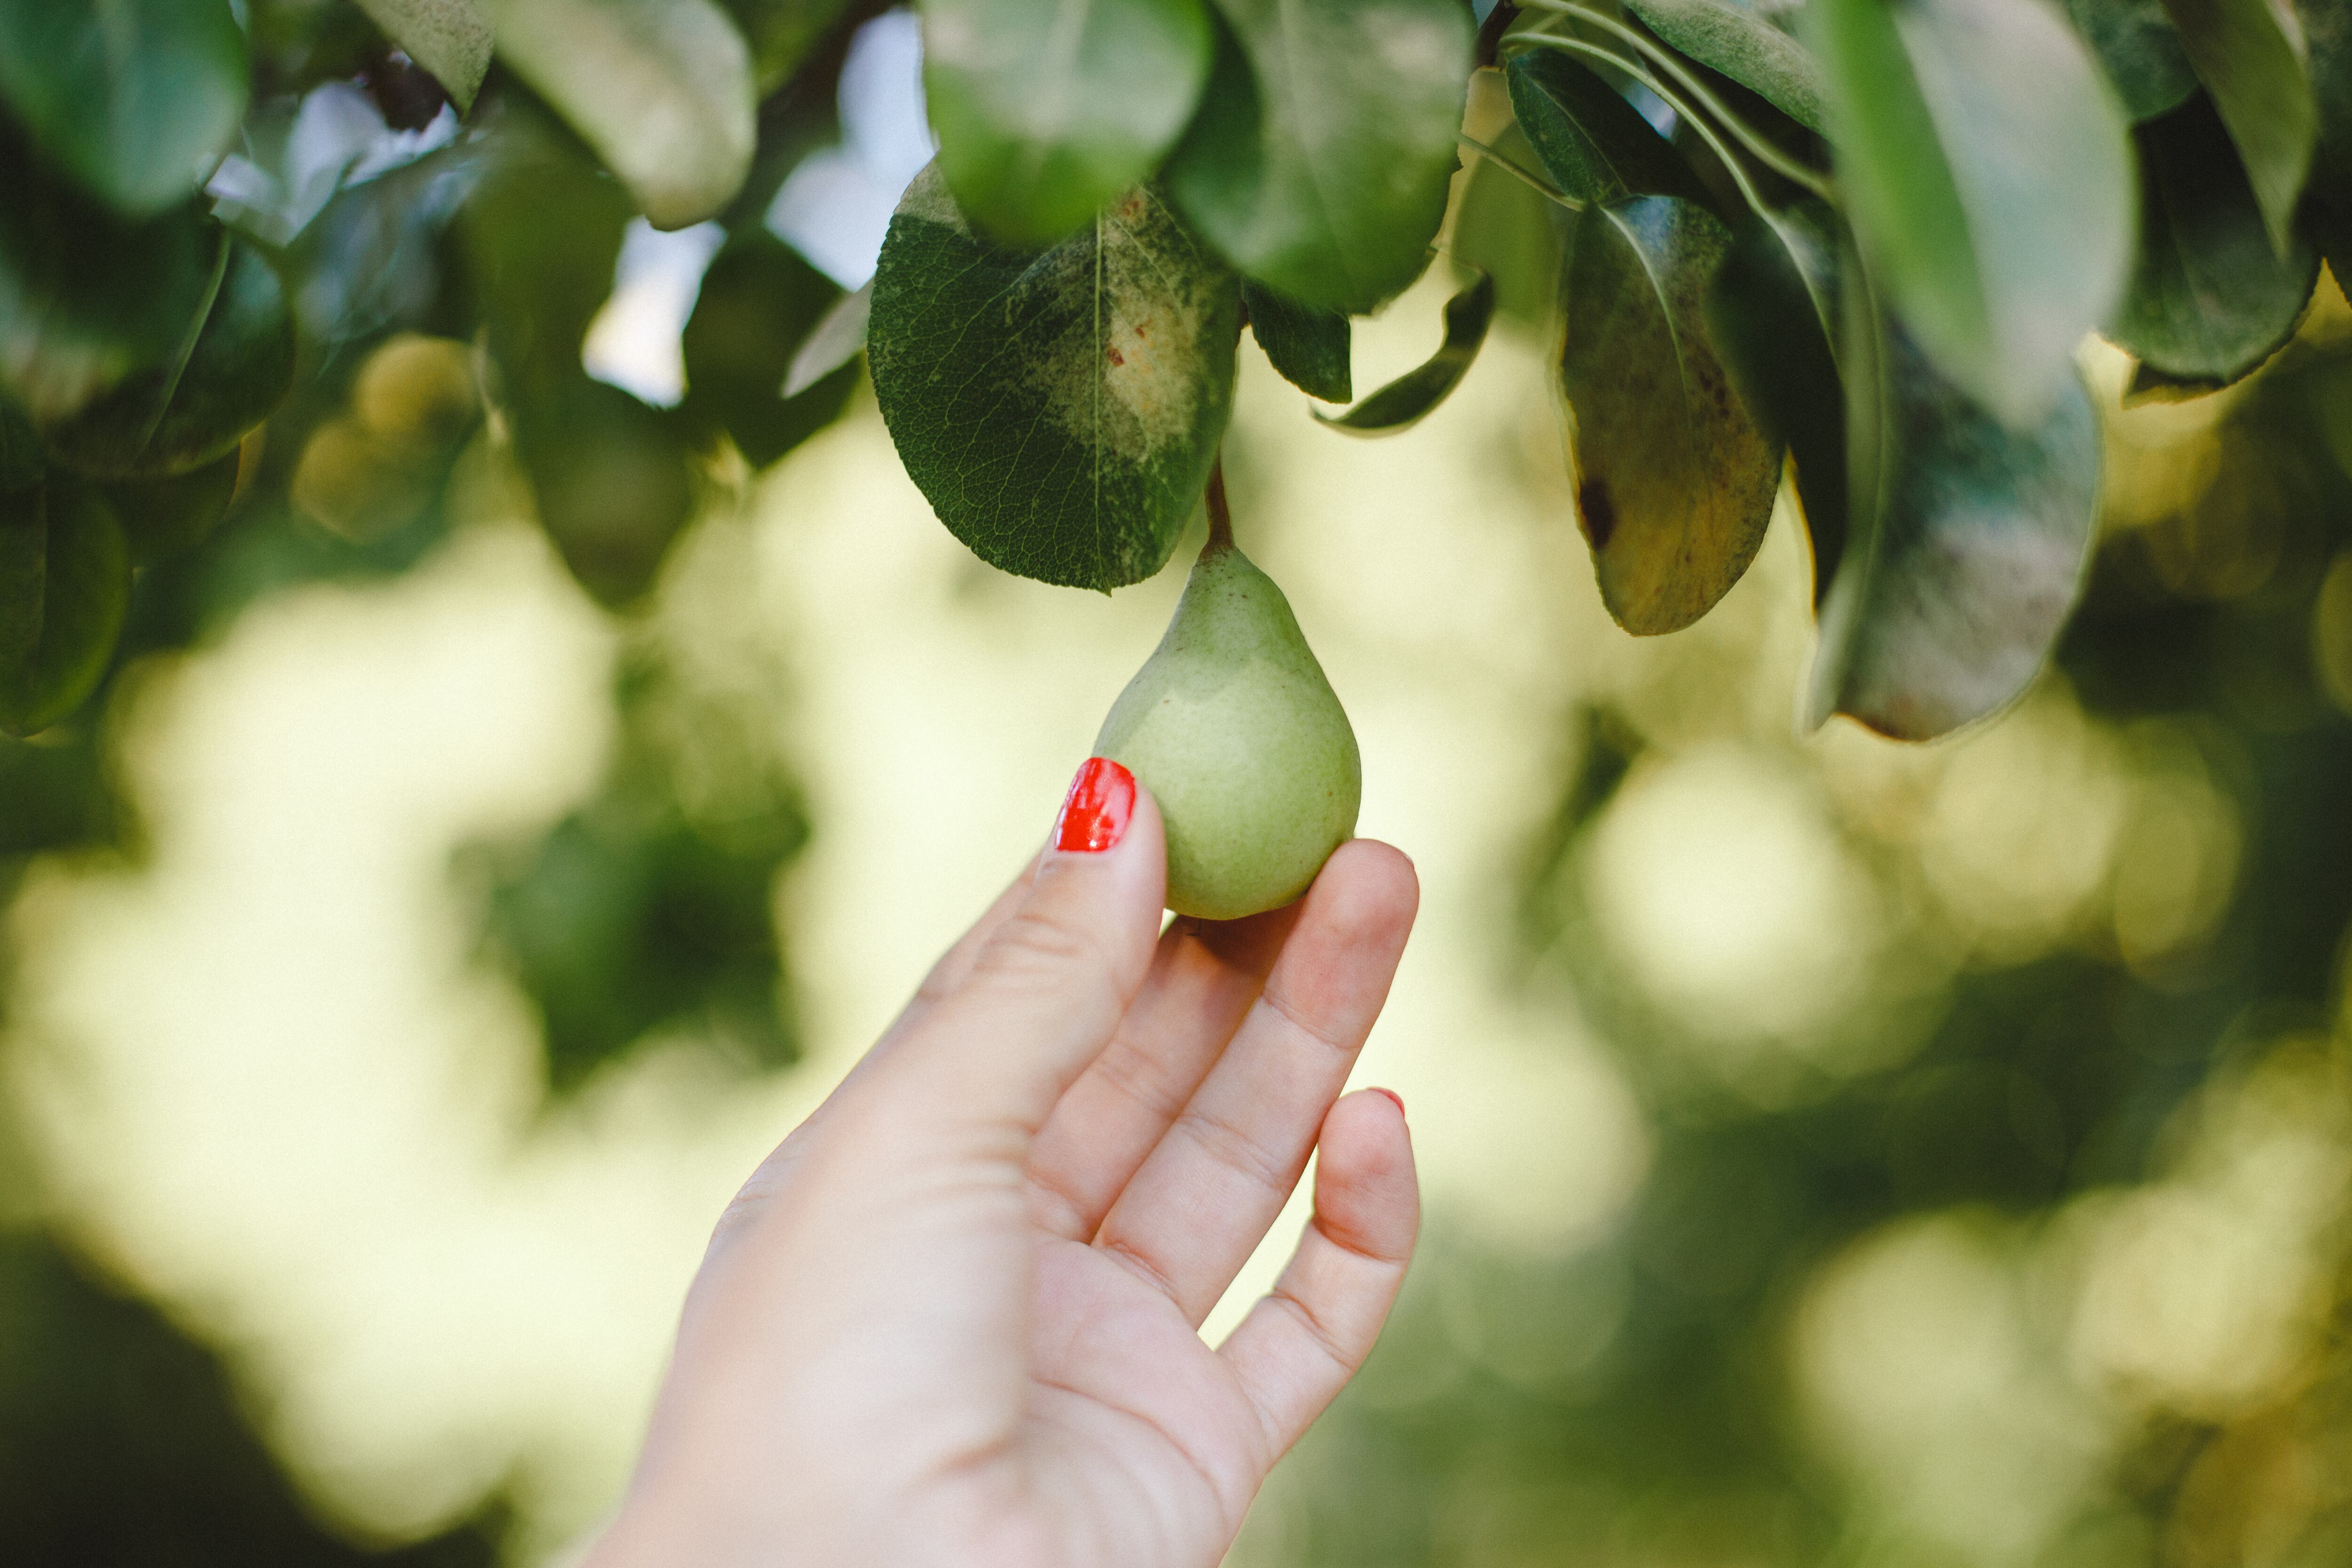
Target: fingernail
1095, 812
1394, 1098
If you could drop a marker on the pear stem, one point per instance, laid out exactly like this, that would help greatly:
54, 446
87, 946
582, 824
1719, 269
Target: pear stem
1221, 516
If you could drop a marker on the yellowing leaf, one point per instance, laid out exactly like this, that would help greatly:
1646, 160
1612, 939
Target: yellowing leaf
1674, 481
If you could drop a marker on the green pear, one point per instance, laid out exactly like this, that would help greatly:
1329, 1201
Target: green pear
1234, 729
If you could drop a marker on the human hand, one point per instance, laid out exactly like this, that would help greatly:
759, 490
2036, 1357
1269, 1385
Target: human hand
952, 1320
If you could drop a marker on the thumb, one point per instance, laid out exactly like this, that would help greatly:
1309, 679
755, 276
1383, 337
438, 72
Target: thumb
1047, 990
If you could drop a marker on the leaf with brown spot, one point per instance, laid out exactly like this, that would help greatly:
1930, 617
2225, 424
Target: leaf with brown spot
1674, 482
1060, 409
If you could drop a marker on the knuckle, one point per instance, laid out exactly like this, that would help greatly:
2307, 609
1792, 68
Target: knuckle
1129, 1072
1056, 1209
1135, 1257
1235, 1149
1303, 1020
1040, 946
1318, 1333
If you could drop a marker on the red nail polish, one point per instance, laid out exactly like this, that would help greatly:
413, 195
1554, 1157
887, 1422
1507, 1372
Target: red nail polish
1095, 812
1394, 1098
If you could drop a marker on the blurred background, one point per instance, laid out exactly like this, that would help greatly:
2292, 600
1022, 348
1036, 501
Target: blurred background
1836, 1152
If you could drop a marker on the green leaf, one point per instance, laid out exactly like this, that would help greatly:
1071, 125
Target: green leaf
1971, 539
2140, 49
2327, 211
1752, 52
609, 474
759, 303
1045, 112
22, 459
2249, 56
303, 44
2209, 300
451, 38
24, 556
135, 99
1595, 146
543, 235
660, 89
1511, 232
1060, 411
838, 337
1402, 403
65, 584
161, 518
650, 910
87, 297
1674, 480
1773, 310
625, 920
2151, 385
1319, 162
194, 409
1988, 173
1308, 346
780, 33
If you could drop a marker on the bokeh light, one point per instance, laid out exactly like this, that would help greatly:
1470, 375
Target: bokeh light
1836, 1153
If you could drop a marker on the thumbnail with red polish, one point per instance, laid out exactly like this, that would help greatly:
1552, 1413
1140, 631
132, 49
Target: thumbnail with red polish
1101, 799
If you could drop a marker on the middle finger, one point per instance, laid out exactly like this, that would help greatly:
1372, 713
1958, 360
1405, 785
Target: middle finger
1205, 975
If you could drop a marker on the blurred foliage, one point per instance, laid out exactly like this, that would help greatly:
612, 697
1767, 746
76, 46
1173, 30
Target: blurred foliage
443, 281
122, 1443
2130, 1125
648, 911
2061, 1060
648, 908
1817, 232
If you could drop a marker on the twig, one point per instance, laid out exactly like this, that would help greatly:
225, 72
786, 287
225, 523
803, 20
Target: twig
1542, 187
1221, 516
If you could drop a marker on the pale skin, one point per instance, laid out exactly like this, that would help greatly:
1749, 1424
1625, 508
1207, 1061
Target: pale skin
953, 1317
